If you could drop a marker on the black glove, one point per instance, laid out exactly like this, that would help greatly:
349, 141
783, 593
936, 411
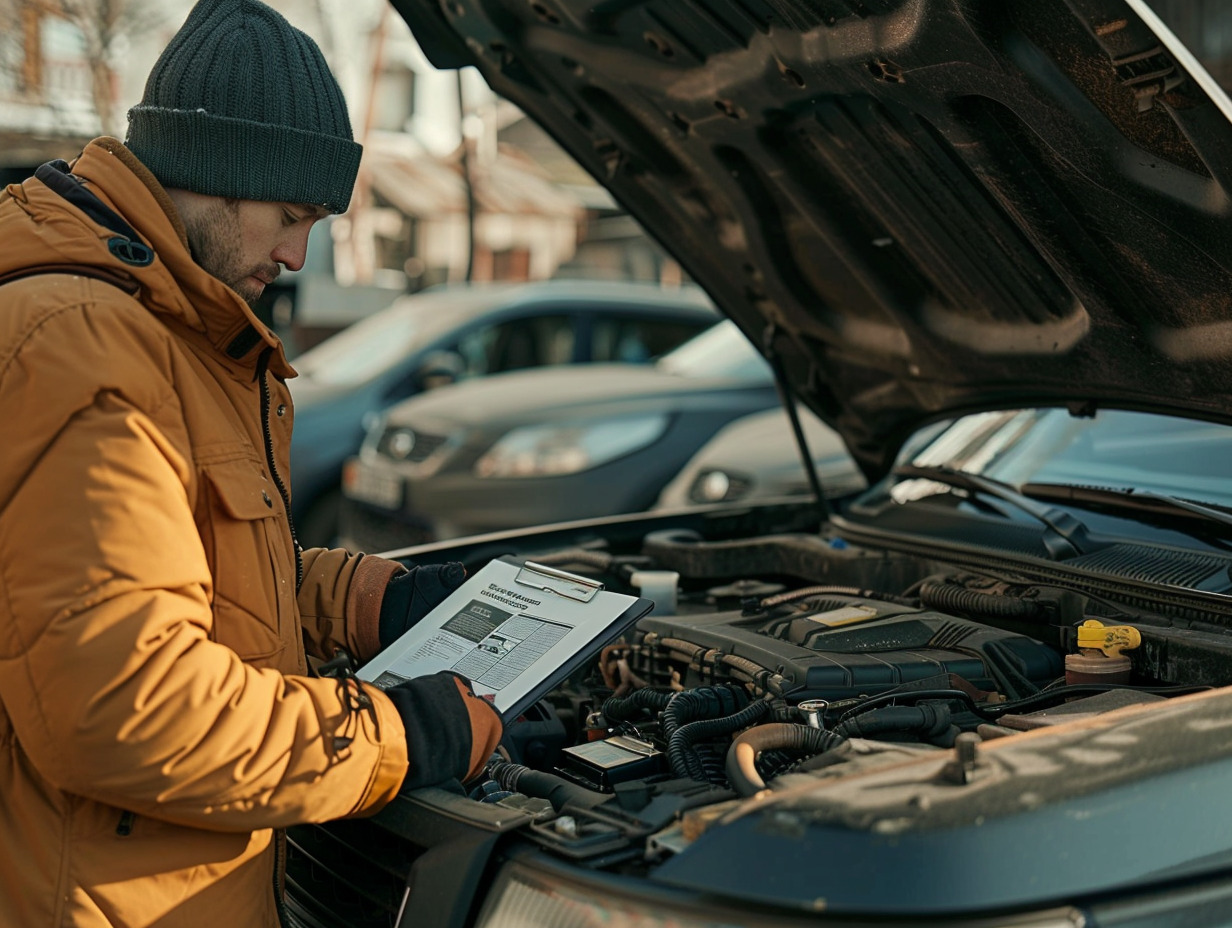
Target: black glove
412, 595
450, 732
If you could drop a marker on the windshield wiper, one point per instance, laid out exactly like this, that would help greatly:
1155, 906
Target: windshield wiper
1148, 501
1066, 536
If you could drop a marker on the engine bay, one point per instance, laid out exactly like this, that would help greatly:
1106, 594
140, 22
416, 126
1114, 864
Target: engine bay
820, 658
800, 697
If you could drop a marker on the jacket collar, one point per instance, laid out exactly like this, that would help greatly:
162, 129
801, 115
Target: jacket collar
171, 283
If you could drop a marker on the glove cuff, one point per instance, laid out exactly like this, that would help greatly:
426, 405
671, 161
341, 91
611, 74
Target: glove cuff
486, 727
363, 601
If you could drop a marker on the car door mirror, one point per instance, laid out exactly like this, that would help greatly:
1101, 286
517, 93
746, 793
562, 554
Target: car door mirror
438, 369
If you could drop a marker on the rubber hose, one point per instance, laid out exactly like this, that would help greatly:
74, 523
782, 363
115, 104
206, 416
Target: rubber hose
701, 702
557, 790
742, 755
624, 708
929, 720
951, 598
789, 596
684, 758
758, 675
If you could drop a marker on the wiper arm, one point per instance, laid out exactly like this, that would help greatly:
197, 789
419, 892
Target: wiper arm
1130, 498
1066, 536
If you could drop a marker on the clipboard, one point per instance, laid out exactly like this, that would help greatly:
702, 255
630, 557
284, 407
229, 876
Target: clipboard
517, 629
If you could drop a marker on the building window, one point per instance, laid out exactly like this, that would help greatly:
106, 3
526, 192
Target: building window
394, 103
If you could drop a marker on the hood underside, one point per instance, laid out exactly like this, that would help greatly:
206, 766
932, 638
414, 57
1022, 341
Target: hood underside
919, 207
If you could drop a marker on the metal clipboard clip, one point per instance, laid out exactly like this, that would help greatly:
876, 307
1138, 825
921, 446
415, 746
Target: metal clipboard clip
560, 582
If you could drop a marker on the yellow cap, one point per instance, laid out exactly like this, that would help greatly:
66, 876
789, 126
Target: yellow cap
1111, 639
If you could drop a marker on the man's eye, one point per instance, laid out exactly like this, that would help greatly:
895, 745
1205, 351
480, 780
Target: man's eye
289, 218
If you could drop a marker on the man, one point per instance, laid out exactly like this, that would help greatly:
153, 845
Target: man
159, 720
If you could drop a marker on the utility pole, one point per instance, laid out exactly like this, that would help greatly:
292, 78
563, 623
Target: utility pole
361, 219
467, 181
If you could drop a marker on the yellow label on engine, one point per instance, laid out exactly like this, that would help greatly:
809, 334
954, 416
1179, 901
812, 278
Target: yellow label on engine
847, 615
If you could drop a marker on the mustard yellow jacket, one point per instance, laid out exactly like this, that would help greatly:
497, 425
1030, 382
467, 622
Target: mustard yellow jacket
158, 721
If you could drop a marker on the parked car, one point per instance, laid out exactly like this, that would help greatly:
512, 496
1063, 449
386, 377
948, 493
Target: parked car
459, 332
995, 689
546, 445
758, 458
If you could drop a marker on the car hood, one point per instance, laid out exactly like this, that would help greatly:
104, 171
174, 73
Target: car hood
548, 394
918, 207
312, 394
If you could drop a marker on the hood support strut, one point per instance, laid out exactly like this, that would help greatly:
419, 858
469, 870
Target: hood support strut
793, 414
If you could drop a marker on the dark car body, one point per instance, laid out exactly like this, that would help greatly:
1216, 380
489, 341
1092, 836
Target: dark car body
991, 691
757, 458
462, 474
460, 332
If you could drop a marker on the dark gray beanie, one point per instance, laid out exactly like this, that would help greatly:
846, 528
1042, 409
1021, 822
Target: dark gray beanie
241, 104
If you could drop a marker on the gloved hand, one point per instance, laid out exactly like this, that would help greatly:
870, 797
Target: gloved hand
412, 595
450, 732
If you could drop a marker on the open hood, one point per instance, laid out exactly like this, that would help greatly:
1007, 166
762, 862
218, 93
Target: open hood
918, 207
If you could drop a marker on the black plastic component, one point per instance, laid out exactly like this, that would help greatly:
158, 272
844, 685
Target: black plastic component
358, 874
537, 737
603, 764
863, 647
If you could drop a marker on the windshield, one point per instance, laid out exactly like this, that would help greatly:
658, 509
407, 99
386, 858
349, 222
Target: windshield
721, 351
372, 346
363, 350
1114, 450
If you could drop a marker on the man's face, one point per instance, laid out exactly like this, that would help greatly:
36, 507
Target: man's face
246, 243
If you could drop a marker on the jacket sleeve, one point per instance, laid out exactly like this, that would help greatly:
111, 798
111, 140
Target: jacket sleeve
107, 671
340, 601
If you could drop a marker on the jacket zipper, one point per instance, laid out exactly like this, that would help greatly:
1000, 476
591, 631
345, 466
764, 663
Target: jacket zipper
268, 435
280, 903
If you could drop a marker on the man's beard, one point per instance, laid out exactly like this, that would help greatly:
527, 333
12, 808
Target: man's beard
214, 245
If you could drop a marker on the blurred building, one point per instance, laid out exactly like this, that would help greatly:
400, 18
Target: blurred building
456, 184
70, 70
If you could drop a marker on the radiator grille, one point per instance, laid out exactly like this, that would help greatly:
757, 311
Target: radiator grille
349, 875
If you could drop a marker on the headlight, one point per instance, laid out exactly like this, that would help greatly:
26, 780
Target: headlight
718, 486
524, 897
401, 443
568, 447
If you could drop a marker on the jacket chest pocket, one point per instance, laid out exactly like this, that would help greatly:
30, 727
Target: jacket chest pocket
249, 547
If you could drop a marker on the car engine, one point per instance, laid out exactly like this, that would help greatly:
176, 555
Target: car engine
777, 662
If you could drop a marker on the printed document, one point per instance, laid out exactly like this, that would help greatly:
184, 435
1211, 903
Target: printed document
510, 629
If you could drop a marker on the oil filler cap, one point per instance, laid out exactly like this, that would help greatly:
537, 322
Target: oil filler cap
1111, 639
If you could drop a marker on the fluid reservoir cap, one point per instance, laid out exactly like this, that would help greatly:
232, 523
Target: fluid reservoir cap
1111, 639
660, 586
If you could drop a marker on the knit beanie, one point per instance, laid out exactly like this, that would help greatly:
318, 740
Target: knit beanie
241, 104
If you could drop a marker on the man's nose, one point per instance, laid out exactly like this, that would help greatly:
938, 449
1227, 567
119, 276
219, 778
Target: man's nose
292, 251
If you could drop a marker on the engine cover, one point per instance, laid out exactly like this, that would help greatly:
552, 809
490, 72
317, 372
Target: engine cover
861, 647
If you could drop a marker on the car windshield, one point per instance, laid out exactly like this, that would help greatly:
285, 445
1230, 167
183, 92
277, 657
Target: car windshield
722, 351
1114, 449
361, 351
373, 345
